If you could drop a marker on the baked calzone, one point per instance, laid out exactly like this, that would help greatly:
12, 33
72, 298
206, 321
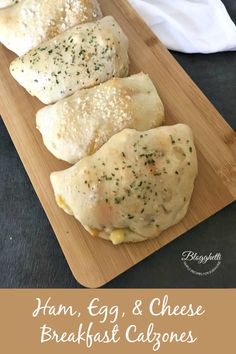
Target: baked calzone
81, 57
137, 185
31, 22
80, 124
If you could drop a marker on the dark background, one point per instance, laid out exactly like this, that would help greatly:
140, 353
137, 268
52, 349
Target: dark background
30, 255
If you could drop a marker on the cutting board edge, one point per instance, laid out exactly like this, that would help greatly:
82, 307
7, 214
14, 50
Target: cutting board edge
97, 285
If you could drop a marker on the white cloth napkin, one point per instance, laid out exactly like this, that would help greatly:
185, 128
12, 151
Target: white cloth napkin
189, 26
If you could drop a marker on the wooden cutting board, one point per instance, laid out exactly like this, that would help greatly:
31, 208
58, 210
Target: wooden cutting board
94, 262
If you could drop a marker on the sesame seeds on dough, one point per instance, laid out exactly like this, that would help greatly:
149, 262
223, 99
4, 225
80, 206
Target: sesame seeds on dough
80, 124
31, 22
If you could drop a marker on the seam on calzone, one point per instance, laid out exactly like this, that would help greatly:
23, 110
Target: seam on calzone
71, 128
32, 22
137, 185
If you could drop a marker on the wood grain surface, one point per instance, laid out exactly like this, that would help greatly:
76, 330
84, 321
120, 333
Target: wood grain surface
94, 262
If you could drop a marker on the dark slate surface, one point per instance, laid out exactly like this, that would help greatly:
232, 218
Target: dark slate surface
29, 252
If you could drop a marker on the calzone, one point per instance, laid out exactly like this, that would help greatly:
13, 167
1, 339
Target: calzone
31, 22
137, 185
80, 124
81, 57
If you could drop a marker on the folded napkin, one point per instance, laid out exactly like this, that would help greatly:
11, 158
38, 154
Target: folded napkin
189, 26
